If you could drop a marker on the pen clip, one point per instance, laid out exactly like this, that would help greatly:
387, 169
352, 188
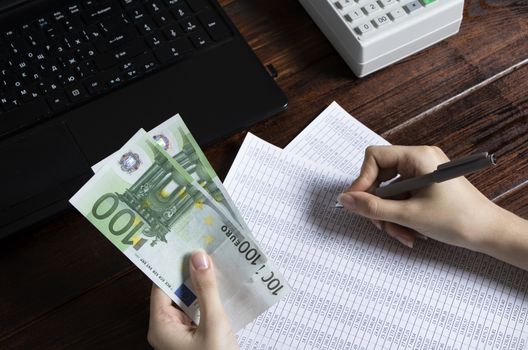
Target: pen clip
465, 160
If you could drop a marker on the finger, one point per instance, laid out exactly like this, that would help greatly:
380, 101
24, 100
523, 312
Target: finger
204, 282
403, 234
373, 207
377, 158
158, 299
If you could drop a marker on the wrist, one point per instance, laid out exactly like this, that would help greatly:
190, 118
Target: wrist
506, 238
492, 229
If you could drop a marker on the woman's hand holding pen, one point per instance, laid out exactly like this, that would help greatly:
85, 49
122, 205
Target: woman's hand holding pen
453, 212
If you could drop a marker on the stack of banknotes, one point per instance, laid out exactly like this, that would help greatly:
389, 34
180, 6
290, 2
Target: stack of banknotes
157, 200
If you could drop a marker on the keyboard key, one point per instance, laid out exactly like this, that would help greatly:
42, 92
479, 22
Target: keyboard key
96, 14
73, 9
130, 74
84, 69
174, 50
72, 23
23, 115
94, 85
48, 86
173, 2
28, 94
154, 6
371, 8
214, 26
115, 39
8, 102
88, 3
130, 3
66, 77
189, 25
412, 6
113, 57
76, 93
113, 78
364, 28
136, 13
171, 32
341, 4
197, 5
162, 18
396, 13
57, 101
146, 26
181, 10
85, 51
145, 62
154, 40
200, 39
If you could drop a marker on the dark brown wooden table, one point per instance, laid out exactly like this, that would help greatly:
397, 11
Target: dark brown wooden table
65, 286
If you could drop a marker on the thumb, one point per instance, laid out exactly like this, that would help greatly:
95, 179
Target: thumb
204, 282
373, 207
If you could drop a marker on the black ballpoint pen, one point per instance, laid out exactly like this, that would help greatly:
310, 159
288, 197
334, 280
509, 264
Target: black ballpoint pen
444, 172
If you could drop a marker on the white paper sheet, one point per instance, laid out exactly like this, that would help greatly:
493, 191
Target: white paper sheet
335, 139
355, 288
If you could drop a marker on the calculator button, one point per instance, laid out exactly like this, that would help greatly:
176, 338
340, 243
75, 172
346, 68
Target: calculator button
364, 28
371, 8
396, 13
427, 2
354, 15
381, 20
361, 2
341, 4
412, 6
386, 3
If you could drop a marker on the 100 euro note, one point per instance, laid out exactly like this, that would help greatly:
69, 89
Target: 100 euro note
153, 212
176, 139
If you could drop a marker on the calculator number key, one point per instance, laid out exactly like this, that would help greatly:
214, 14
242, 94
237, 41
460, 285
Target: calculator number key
381, 20
341, 4
386, 3
370, 8
353, 16
364, 28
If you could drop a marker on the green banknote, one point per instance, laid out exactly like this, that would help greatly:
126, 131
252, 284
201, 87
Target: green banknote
176, 139
149, 206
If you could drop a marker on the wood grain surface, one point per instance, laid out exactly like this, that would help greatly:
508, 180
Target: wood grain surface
65, 286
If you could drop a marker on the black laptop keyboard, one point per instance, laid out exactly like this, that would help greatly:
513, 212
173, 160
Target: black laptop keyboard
73, 54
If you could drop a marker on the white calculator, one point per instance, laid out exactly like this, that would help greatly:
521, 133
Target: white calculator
371, 34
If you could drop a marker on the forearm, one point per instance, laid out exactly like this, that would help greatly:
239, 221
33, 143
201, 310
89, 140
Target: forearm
507, 239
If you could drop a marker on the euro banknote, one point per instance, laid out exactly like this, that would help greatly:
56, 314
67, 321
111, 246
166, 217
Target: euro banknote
176, 139
149, 206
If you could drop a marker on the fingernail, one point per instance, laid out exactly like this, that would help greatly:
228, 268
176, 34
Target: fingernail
422, 237
377, 223
347, 201
200, 260
406, 241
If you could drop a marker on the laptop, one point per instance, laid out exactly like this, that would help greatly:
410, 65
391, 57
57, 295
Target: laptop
79, 77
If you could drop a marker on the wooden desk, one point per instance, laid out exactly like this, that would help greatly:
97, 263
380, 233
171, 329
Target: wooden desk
65, 286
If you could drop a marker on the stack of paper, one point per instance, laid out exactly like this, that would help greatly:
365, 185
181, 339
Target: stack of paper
158, 199
353, 287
